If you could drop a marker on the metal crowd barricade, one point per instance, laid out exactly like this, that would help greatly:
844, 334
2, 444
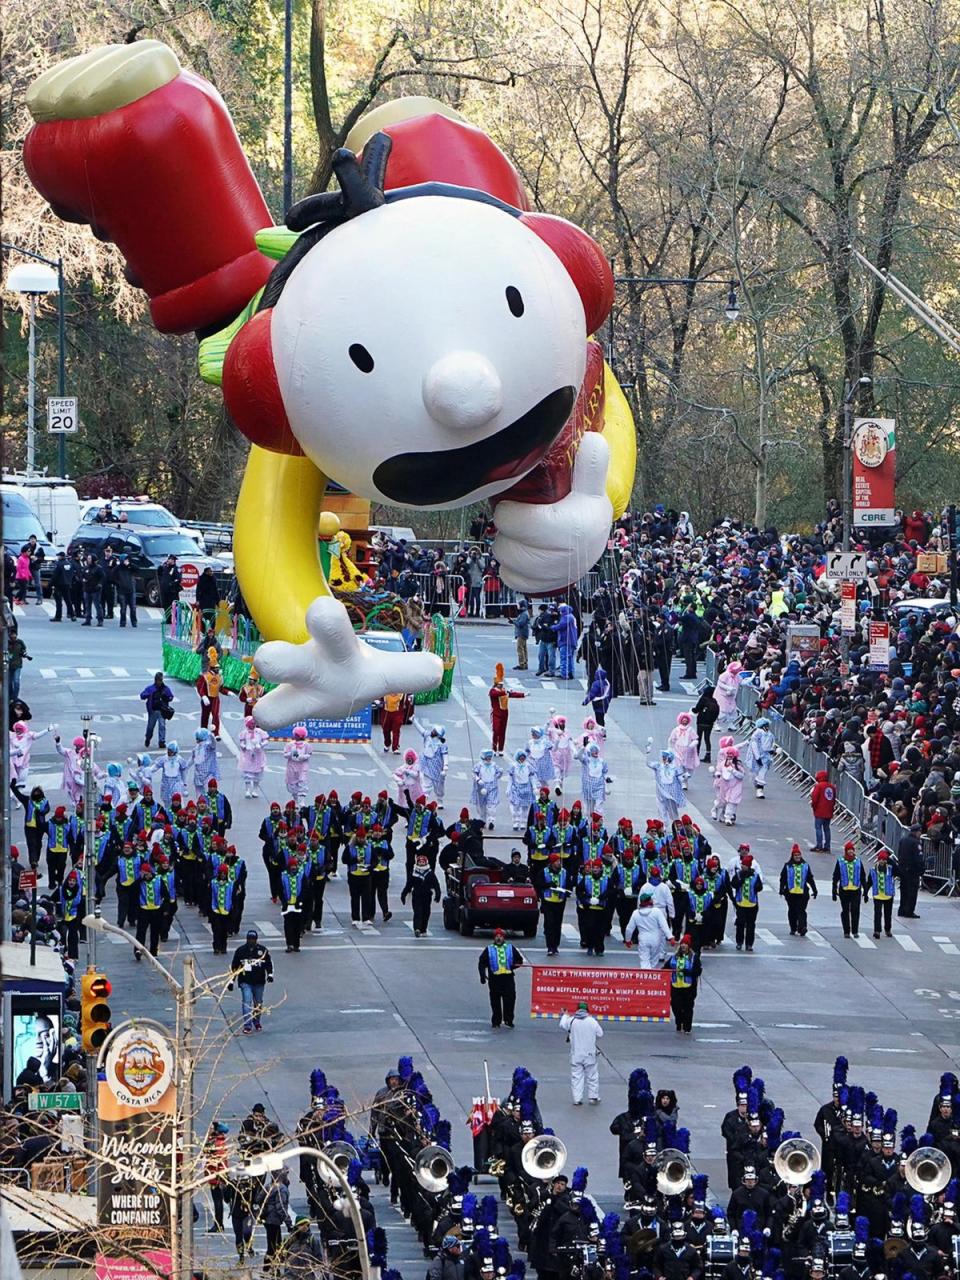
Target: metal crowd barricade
495, 597
712, 665
940, 860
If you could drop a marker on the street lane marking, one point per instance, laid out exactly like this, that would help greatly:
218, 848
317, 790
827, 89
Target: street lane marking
120, 671
85, 673
939, 938
867, 944
883, 1049
817, 939
268, 929
548, 684
770, 938
409, 923
477, 682
949, 949
908, 944
48, 673
570, 931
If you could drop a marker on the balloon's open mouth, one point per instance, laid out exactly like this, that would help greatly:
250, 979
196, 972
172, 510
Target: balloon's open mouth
445, 475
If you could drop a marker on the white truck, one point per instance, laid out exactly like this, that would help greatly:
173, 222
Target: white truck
54, 502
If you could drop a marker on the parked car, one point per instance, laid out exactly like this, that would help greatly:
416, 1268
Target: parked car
19, 521
141, 513
476, 898
147, 549
217, 538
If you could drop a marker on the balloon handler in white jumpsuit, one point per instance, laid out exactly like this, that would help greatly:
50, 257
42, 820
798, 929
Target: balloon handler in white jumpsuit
583, 1032
648, 925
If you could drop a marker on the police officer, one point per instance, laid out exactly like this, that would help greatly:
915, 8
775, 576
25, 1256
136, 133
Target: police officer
497, 965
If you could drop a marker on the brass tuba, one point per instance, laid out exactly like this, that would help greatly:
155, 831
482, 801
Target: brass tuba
927, 1170
341, 1153
796, 1161
676, 1172
432, 1167
544, 1157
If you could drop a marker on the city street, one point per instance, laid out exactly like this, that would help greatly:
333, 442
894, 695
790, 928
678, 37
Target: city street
353, 1002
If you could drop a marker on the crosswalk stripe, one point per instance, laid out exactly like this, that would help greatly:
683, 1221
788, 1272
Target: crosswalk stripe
769, 938
48, 673
570, 931
817, 939
85, 673
949, 949
549, 684
866, 943
477, 682
908, 944
119, 671
268, 929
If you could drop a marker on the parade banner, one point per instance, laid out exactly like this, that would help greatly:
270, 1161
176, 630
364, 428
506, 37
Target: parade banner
355, 728
874, 447
616, 995
136, 1104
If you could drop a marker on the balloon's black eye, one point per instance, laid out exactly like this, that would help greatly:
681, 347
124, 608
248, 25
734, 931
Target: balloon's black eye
514, 301
362, 358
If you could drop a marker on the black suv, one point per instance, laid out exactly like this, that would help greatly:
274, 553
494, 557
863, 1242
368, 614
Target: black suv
147, 549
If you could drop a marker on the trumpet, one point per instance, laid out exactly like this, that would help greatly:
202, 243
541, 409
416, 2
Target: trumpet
796, 1161
432, 1166
927, 1170
676, 1172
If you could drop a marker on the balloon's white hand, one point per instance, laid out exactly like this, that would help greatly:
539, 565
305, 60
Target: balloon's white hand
546, 546
334, 672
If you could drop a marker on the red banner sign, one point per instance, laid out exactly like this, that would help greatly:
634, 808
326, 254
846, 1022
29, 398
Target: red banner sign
131, 1268
619, 995
874, 471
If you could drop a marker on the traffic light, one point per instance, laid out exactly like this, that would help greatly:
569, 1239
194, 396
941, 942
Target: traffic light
95, 990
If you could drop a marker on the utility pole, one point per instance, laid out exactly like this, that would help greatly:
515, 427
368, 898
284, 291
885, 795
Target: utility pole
849, 390
187, 999
952, 551
89, 893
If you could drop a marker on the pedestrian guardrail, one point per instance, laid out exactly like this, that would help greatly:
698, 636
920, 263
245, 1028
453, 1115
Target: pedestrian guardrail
800, 762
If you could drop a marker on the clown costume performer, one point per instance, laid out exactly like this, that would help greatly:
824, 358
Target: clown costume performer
174, 772
561, 748
141, 768
73, 767
683, 743
297, 755
539, 757
728, 786
205, 762
408, 779
593, 778
252, 759
22, 739
433, 758
485, 795
728, 682
759, 755
592, 732
668, 780
112, 789
520, 794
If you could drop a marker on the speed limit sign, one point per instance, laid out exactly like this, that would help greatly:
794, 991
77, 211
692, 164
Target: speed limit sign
62, 415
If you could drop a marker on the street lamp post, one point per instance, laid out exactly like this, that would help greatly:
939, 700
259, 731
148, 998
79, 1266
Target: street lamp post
270, 1161
185, 993
849, 391
731, 307
57, 265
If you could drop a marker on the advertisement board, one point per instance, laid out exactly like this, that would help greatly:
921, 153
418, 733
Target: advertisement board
803, 642
874, 445
136, 1104
108, 1268
35, 1035
616, 995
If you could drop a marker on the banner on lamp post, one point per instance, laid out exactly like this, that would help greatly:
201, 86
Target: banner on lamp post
879, 646
874, 446
136, 1105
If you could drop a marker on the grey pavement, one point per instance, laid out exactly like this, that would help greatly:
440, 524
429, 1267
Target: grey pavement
352, 1003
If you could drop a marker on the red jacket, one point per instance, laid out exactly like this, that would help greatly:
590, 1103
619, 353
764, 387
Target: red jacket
823, 797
